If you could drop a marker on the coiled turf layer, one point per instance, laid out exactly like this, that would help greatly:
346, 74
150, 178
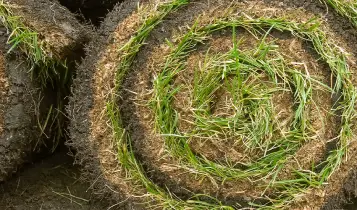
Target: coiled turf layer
187, 121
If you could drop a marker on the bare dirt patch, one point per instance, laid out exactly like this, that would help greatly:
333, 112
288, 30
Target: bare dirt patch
49, 184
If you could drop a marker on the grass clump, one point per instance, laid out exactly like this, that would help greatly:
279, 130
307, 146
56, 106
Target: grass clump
241, 72
30, 42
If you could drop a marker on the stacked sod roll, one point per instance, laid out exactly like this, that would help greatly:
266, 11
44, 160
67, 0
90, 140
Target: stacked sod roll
18, 102
208, 105
39, 40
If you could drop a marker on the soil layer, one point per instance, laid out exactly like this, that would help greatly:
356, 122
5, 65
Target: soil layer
51, 184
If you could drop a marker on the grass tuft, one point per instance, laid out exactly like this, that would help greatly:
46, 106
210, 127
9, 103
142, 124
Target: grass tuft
346, 8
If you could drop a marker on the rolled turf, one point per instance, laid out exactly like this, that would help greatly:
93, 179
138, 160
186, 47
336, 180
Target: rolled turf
19, 110
41, 41
208, 105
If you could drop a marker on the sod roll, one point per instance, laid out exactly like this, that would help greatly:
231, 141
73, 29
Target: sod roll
58, 31
345, 8
210, 105
40, 41
19, 114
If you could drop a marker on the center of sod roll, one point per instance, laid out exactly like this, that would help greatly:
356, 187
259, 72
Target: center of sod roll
252, 78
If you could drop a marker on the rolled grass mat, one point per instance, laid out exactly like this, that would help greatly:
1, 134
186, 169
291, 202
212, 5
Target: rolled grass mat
56, 30
48, 33
49, 39
214, 105
53, 40
20, 100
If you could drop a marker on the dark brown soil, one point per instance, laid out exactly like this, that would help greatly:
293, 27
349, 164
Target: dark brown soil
51, 184
90, 10
92, 137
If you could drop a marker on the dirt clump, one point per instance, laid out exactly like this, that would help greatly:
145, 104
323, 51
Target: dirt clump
49, 184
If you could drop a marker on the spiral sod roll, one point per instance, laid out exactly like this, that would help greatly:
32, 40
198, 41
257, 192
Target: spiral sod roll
188, 105
39, 40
